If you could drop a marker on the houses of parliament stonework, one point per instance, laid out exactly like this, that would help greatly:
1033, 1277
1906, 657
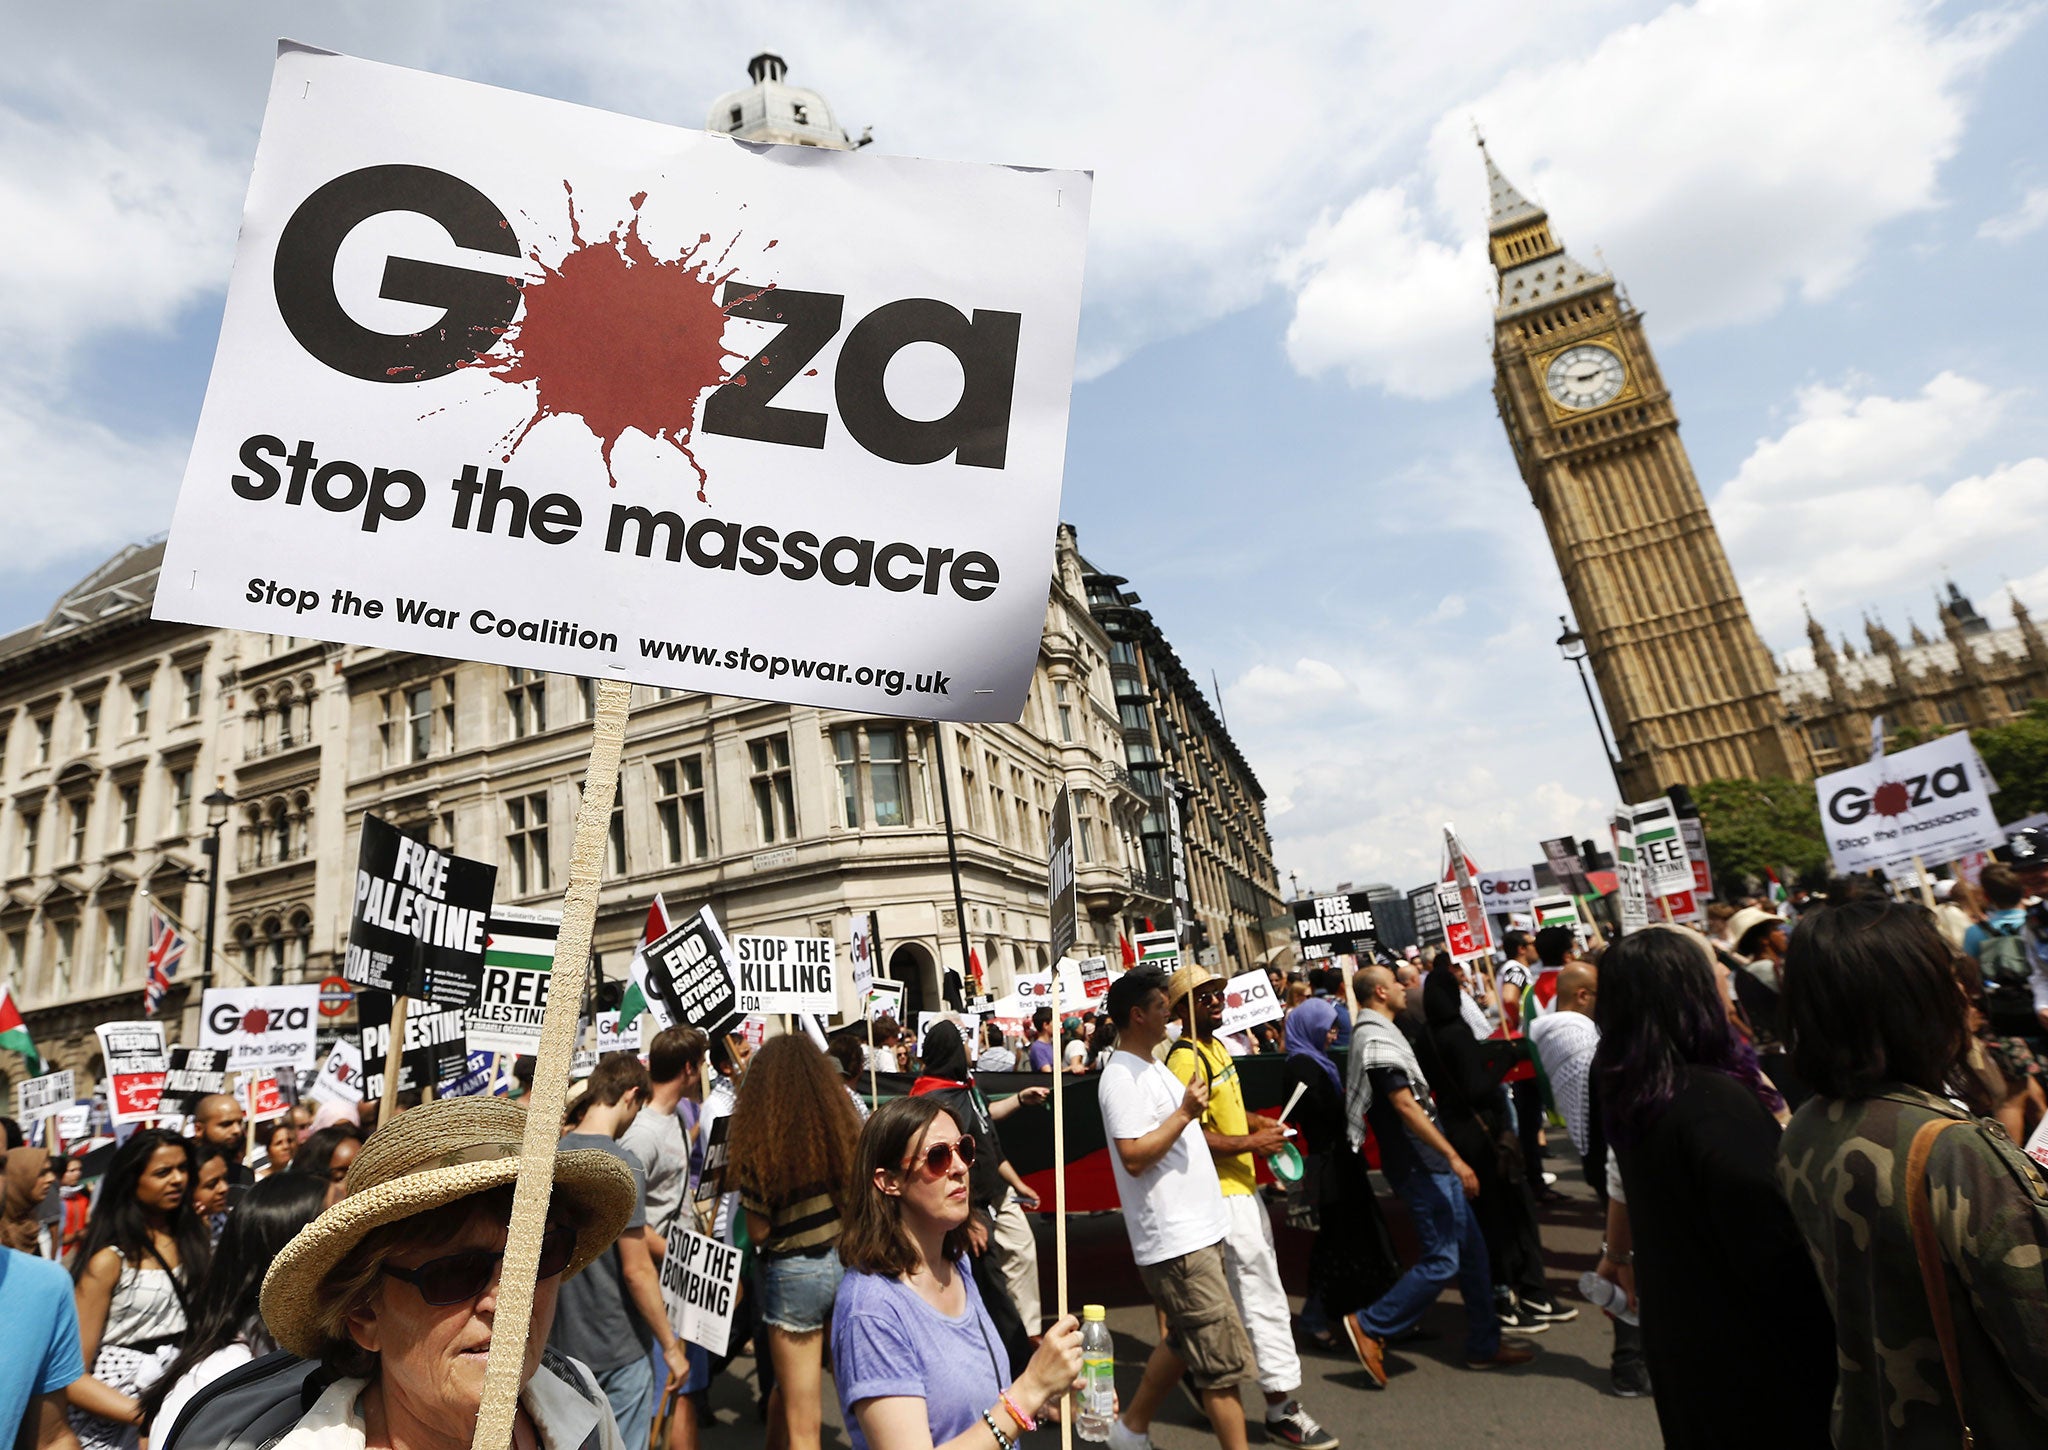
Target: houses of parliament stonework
1686, 681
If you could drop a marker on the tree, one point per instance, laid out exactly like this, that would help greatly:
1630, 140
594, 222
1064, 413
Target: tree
2016, 754
1757, 825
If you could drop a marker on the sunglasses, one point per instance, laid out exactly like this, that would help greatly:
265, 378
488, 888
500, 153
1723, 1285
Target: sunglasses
938, 1159
459, 1278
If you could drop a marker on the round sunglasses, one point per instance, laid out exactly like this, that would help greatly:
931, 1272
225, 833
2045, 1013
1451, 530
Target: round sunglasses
458, 1278
938, 1159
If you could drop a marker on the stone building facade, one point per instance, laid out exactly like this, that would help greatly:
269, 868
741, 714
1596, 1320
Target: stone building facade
1690, 690
1973, 675
784, 819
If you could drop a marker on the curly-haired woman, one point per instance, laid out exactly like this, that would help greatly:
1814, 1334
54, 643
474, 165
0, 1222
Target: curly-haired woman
790, 1153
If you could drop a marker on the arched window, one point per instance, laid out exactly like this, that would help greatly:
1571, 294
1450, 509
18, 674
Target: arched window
245, 943
252, 844
302, 824
273, 949
280, 831
301, 942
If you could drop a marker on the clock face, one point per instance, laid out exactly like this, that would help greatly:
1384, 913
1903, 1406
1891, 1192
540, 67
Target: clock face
1585, 376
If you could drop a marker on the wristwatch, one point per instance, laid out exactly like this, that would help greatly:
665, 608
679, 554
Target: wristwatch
1614, 1258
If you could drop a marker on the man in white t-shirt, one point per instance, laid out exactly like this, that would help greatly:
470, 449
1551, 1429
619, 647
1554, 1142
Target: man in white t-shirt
1173, 1207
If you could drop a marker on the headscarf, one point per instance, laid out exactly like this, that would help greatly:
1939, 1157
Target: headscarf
1308, 1025
1375, 1042
1459, 1061
18, 1226
945, 1060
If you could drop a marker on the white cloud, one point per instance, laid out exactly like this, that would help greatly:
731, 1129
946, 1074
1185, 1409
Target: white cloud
2022, 221
1857, 503
76, 490
1724, 156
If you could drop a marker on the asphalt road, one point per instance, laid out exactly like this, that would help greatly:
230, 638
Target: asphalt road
1431, 1401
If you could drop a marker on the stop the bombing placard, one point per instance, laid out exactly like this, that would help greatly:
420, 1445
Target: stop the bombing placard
507, 379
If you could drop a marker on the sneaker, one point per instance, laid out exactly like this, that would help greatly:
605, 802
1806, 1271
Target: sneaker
1370, 1349
1548, 1311
1549, 1179
1122, 1437
1193, 1395
1631, 1382
1293, 1425
1511, 1352
1518, 1318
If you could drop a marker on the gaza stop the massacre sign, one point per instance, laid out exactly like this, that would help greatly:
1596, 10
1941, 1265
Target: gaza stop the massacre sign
514, 380
1929, 802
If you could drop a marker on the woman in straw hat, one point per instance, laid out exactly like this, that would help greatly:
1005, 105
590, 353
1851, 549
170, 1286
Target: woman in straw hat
395, 1288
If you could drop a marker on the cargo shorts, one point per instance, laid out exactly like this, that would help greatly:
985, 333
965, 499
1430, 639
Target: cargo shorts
1202, 1324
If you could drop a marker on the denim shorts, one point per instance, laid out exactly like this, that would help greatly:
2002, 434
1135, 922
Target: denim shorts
797, 1291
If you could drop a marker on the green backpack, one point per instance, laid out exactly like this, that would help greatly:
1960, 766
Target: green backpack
2002, 957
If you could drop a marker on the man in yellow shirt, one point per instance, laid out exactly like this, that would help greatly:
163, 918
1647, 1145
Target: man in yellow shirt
1234, 1136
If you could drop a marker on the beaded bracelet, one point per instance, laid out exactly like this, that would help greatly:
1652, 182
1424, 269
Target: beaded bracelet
1024, 1421
1003, 1442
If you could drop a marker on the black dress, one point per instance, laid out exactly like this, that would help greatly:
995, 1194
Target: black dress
1352, 1262
1736, 1332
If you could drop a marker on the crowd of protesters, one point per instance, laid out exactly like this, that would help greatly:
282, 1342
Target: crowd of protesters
1801, 1129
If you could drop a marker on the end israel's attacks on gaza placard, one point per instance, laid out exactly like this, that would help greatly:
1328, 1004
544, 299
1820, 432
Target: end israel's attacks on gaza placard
508, 379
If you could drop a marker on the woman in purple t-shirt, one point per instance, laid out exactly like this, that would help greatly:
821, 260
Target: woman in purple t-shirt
916, 1360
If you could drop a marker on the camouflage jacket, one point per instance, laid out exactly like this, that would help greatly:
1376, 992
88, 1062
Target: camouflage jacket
1843, 1167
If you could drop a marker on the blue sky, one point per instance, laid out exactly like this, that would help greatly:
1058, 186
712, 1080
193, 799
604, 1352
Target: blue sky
1833, 215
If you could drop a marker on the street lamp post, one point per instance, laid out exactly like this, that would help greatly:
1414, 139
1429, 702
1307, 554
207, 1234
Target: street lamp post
217, 805
1572, 645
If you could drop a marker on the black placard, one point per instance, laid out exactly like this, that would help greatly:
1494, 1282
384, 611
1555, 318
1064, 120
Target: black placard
420, 916
1060, 880
195, 1073
689, 968
1337, 924
436, 1048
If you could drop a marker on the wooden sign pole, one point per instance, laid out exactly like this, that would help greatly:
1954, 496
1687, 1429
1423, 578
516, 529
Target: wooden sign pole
394, 1061
551, 1073
1059, 1202
1926, 886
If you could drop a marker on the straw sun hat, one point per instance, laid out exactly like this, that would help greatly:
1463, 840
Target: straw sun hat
430, 1156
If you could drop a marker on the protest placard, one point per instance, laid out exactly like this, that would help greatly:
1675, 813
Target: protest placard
136, 1064
1660, 849
1158, 946
1927, 802
860, 957
1094, 975
436, 1047
611, 1038
341, 1075
512, 990
1060, 886
1333, 924
194, 1073
72, 1122
1427, 916
785, 973
583, 1064
1693, 831
261, 1026
1248, 1000
700, 1284
1631, 883
733, 455
261, 1097
479, 1077
1555, 910
1467, 933
690, 972
1562, 855
420, 918
885, 999
37, 1098
1505, 892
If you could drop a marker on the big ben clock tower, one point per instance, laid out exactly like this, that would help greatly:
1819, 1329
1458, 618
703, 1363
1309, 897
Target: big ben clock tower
1687, 683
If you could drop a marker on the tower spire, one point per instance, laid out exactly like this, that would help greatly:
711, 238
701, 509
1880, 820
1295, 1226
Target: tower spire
1532, 266
1507, 206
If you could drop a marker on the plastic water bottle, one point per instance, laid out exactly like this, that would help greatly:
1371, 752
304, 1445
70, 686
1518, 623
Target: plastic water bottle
1098, 1376
1606, 1294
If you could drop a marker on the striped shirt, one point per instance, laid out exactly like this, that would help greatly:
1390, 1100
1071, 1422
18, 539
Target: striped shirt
806, 1222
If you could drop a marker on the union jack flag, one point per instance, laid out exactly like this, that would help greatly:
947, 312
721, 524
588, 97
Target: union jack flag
166, 950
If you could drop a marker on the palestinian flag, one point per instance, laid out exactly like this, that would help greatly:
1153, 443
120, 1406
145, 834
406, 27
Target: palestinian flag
1779, 896
634, 1002
14, 1032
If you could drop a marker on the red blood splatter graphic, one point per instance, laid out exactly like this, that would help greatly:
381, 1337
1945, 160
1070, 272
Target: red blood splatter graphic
620, 338
1891, 799
256, 1019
